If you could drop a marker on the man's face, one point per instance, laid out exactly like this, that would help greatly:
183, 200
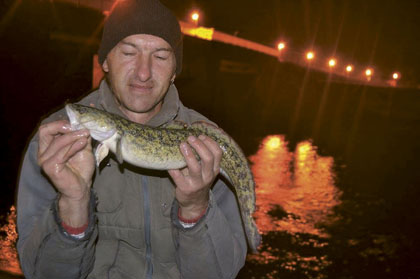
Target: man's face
140, 69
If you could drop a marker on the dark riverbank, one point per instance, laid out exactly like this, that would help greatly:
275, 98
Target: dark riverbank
6, 275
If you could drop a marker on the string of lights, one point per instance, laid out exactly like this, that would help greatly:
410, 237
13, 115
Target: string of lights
314, 59
308, 58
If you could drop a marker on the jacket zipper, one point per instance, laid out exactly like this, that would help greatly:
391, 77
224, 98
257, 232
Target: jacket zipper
147, 225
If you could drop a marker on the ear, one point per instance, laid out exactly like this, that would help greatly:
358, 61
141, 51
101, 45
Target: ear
173, 78
105, 66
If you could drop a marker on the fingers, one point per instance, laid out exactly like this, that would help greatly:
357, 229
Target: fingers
66, 158
210, 155
56, 162
194, 166
58, 142
194, 182
72, 149
47, 133
61, 144
215, 150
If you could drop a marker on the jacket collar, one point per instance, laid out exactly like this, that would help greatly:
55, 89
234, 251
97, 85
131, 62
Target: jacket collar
168, 112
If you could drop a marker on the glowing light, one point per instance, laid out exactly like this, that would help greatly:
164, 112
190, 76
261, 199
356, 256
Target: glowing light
349, 68
273, 142
332, 62
369, 72
195, 16
310, 55
303, 150
200, 32
396, 75
281, 46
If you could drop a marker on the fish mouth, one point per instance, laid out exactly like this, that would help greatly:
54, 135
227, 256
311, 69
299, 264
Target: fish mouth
73, 117
94, 129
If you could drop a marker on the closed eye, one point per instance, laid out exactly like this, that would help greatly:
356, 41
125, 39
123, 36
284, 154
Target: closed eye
162, 53
161, 57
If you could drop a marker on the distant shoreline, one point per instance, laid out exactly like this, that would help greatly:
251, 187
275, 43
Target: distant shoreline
7, 275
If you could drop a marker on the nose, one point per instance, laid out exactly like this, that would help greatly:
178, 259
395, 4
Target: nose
143, 67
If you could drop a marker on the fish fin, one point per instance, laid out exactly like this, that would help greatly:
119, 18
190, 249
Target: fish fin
176, 124
119, 150
101, 136
207, 128
101, 152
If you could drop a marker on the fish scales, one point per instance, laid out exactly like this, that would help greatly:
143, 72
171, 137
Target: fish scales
158, 148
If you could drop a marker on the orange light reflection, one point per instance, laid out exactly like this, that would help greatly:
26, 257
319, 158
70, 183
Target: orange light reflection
300, 182
8, 254
271, 169
273, 143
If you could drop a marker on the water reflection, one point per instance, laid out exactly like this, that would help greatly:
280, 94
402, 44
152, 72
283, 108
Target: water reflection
8, 236
295, 195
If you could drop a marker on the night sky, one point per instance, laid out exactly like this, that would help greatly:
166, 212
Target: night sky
379, 33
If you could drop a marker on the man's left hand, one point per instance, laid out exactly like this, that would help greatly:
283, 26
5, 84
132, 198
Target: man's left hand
194, 181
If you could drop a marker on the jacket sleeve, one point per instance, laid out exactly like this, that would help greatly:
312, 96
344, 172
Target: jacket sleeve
215, 247
45, 250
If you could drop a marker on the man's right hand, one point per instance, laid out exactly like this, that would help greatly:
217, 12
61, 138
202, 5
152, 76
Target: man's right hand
67, 159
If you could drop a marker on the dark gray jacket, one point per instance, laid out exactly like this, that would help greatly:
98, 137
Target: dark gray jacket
133, 229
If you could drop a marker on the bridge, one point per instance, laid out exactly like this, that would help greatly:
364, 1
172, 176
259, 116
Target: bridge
284, 56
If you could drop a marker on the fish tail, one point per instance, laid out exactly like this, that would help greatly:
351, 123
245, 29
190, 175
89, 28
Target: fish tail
235, 165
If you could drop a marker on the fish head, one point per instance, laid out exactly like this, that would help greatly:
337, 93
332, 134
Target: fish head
99, 123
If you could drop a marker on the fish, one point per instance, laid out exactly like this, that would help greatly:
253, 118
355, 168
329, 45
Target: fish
158, 148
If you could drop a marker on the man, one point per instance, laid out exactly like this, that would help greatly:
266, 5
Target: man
119, 221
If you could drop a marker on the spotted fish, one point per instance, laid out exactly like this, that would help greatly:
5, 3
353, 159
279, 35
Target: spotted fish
158, 148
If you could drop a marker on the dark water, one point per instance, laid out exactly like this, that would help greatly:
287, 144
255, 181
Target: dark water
295, 196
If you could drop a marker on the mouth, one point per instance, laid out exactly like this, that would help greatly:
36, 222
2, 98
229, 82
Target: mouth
144, 88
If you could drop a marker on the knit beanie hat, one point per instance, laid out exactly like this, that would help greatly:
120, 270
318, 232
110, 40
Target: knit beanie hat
130, 17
